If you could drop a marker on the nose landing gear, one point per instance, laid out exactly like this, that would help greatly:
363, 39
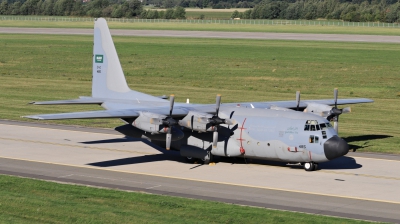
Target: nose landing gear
310, 166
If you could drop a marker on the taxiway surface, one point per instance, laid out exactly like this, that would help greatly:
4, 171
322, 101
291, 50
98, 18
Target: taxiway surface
362, 186
212, 34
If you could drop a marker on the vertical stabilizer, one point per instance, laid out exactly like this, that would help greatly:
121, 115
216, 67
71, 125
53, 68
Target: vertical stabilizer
108, 77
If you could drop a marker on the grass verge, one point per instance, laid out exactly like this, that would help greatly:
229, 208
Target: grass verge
33, 201
52, 67
202, 25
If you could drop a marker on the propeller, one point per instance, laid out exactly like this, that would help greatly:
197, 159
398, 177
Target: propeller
169, 122
297, 100
335, 111
215, 121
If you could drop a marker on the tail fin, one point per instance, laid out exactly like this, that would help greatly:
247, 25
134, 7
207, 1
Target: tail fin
108, 78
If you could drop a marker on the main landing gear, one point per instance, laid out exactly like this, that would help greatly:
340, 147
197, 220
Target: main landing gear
310, 166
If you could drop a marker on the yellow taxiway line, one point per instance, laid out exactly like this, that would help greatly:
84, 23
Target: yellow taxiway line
206, 181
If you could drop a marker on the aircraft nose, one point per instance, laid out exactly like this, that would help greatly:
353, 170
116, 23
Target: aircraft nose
335, 147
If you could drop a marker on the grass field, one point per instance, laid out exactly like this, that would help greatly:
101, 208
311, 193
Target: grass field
51, 67
208, 14
33, 201
202, 25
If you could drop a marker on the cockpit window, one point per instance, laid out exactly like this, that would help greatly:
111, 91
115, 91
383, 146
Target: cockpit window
323, 126
311, 125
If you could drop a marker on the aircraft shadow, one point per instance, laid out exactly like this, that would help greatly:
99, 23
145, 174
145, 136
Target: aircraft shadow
341, 163
127, 139
172, 156
365, 139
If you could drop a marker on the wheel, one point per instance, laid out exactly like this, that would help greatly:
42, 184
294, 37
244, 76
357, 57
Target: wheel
315, 166
309, 166
190, 159
209, 159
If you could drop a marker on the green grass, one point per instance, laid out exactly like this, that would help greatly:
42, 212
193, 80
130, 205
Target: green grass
32, 201
208, 15
204, 26
52, 67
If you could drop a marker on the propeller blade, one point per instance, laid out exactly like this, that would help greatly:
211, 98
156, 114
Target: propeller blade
168, 140
218, 102
171, 104
346, 110
230, 117
191, 122
297, 100
336, 124
335, 96
215, 137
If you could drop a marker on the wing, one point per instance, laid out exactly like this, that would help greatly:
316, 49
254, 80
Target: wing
86, 114
179, 111
82, 100
291, 104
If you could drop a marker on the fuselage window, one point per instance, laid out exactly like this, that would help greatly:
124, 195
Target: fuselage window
316, 139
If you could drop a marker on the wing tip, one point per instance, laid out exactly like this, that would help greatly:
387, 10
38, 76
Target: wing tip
33, 117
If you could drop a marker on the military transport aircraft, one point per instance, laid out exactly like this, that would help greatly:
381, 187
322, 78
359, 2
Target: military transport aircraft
290, 131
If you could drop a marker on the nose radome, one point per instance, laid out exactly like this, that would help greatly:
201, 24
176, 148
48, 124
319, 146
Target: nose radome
335, 147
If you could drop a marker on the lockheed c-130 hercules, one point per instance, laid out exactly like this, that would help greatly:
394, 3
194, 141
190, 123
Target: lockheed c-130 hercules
290, 131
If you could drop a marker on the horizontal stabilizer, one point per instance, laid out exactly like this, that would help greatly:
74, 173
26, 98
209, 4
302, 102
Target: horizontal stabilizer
74, 101
86, 114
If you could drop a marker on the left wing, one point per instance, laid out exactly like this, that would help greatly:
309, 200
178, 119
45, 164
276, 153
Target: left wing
86, 114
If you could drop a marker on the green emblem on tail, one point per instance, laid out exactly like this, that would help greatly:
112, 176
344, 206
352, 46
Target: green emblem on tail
98, 58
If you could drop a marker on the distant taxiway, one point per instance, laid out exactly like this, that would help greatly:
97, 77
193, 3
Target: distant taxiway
212, 34
360, 186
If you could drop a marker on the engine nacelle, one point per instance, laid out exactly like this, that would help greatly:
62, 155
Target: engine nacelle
150, 122
200, 121
230, 149
318, 109
273, 107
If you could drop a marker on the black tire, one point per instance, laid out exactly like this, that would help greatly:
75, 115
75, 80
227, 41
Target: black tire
315, 166
309, 166
190, 159
209, 159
